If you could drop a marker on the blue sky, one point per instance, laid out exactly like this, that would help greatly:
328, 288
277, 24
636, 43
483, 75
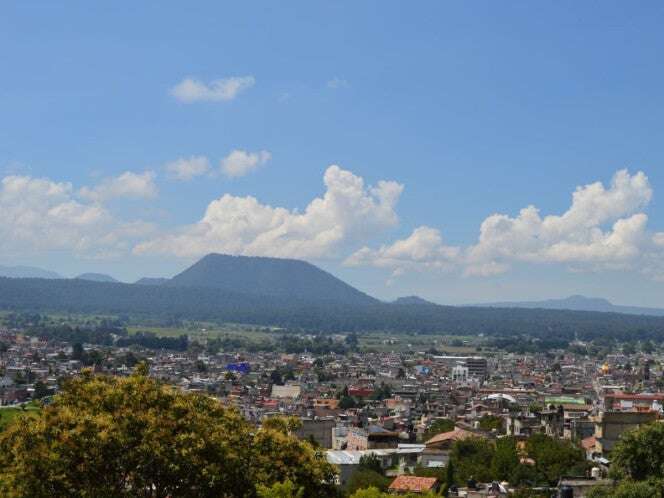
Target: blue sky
472, 108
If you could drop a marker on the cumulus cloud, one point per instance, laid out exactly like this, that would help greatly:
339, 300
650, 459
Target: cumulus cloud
191, 90
603, 228
187, 168
41, 215
423, 248
348, 212
128, 184
240, 162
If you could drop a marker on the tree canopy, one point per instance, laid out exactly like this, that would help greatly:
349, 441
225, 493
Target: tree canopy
639, 455
438, 426
117, 437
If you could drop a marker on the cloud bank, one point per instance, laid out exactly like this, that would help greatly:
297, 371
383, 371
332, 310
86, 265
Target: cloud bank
348, 212
42, 215
603, 228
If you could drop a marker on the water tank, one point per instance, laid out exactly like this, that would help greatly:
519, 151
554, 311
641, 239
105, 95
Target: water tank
595, 473
566, 492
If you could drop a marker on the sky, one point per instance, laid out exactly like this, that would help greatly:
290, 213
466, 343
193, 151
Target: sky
465, 152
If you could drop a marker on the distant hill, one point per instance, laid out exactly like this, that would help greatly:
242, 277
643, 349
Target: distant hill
283, 278
97, 277
171, 304
412, 300
579, 303
26, 272
151, 281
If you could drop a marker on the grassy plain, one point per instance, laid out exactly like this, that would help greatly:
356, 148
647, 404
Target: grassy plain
7, 414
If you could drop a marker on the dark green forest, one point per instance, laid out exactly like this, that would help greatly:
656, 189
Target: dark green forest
218, 305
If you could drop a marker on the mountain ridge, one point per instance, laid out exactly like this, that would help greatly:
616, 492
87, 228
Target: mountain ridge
285, 278
151, 281
27, 272
97, 277
577, 302
408, 300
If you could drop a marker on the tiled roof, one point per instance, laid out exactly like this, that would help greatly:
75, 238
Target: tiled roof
455, 435
413, 483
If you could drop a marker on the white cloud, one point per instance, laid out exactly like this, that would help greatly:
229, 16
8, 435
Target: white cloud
41, 215
187, 168
603, 228
348, 212
337, 83
240, 162
191, 90
423, 248
128, 184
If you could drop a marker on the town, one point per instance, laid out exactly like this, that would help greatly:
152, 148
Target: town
393, 415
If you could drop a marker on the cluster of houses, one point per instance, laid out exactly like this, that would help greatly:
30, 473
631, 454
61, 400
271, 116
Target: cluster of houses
383, 404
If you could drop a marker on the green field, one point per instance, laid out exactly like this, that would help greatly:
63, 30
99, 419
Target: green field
10, 413
386, 342
209, 331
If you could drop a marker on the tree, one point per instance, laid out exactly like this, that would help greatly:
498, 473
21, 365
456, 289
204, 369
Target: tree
438, 426
629, 489
472, 458
639, 454
373, 492
351, 340
280, 490
505, 459
491, 422
347, 402
77, 351
276, 378
366, 478
647, 347
41, 390
629, 348
555, 458
120, 437
370, 462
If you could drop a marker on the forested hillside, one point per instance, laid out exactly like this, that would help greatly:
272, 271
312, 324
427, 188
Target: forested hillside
222, 306
285, 278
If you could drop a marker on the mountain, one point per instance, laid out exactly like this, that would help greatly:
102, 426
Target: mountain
412, 300
26, 272
171, 304
97, 277
283, 278
579, 303
151, 281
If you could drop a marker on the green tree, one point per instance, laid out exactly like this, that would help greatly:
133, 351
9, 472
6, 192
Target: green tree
491, 422
120, 437
438, 426
347, 402
366, 478
77, 351
629, 348
472, 458
280, 490
647, 347
370, 462
555, 458
629, 489
505, 459
41, 390
376, 493
639, 454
